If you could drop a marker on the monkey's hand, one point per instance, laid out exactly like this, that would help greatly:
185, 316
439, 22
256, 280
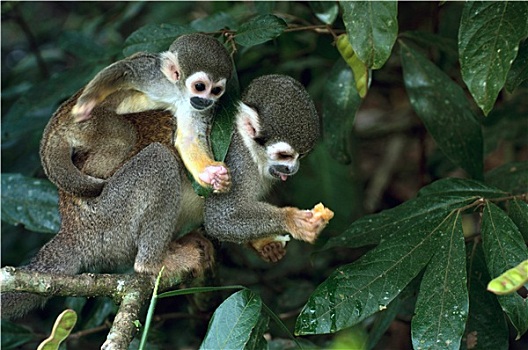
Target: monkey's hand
306, 225
270, 249
217, 176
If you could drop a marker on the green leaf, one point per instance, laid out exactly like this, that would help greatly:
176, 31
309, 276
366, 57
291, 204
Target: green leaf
486, 327
518, 212
519, 69
340, 104
31, 202
259, 29
371, 229
510, 177
462, 188
257, 340
83, 46
356, 291
504, 248
488, 41
154, 38
13, 335
442, 305
445, 111
372, 27
325, 11
233, 321
214, 23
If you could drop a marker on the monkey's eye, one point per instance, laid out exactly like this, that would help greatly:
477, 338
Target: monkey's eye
199, 86
216, 90
260, 140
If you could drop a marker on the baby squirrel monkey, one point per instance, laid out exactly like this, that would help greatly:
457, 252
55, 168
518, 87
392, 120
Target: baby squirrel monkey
187, 80
149, 198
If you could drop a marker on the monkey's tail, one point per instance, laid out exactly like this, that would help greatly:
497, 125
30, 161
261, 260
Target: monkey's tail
56, 158
57, 256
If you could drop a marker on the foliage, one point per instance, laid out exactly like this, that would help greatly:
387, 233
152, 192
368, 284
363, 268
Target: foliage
448, 79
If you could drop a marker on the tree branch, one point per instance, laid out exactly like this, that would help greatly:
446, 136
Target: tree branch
131, 291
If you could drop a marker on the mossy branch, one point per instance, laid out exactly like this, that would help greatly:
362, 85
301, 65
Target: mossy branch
130, 291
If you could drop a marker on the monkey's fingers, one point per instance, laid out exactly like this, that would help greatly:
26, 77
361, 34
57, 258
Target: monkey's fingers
217, 176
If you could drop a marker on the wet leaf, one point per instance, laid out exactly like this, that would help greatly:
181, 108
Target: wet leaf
372, 27
442, 305
510, 177
518, 212
486, 327
340, 104
259, 30
488, 42
445, 111
356, 291
31, 202
504, 248
462, 188
519, 69
233, 322
154, 38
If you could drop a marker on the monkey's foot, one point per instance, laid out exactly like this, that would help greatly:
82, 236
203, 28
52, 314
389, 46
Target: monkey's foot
270, 249
192, 254
306, 225
82, 110
217, 176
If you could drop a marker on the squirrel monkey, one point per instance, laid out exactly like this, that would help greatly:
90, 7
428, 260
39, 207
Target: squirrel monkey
276, 125
148, 199
187, 80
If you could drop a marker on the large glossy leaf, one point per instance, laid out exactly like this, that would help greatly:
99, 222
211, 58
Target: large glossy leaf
154, 38
372, 27
488, 41
214, 22
30, 202
510, 177
487, 327
358, 290
340, 104
325, 11
461, 187
260, 29
518, 212
445, 111
442, 305
371, 229
233, 322
519, 69
504, 248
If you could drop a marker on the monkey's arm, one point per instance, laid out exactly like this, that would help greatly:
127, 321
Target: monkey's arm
124, 83
192, 143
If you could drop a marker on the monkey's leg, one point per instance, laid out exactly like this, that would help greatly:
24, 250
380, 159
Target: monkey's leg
141, 204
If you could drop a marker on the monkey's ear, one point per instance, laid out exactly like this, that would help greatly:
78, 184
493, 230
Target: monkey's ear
248, 120
170, 67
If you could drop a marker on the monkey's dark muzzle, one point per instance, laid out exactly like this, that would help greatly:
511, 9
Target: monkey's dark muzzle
201, 103
282, 172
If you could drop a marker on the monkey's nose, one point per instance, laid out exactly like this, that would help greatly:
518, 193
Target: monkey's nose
201, 103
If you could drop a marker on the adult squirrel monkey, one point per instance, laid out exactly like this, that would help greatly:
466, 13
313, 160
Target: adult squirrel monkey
187, 80
148, 199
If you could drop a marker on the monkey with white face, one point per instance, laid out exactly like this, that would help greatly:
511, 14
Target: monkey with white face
188, 80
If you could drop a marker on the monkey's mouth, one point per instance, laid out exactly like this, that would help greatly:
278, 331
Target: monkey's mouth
278, 175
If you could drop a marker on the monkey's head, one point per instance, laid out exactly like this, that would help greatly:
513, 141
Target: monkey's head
279, 124
201, 65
